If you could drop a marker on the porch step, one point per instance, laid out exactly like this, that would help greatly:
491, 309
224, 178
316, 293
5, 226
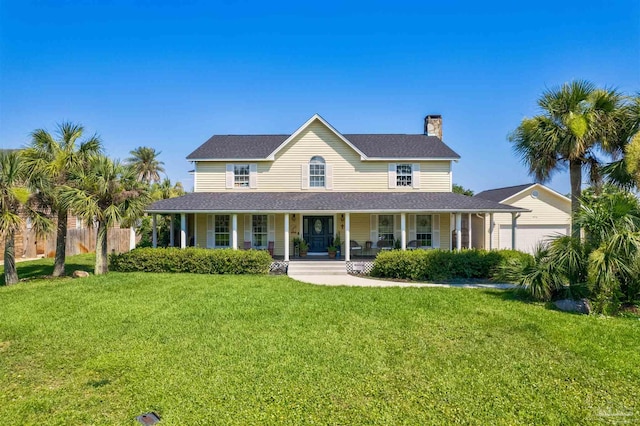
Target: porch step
333, 267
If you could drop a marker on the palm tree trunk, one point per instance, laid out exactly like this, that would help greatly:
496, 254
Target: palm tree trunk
61, 243
10, 271
101, 250
575, 175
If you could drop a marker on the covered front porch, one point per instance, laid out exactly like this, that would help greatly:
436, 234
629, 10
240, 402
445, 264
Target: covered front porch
362, 235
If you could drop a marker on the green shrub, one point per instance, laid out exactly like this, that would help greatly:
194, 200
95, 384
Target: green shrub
193, 260
425, 265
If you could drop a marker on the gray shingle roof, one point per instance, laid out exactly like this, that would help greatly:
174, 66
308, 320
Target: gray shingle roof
500, 194
377, 146
295, 202
237, 146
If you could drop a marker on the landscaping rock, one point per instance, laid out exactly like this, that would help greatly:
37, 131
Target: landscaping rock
80, 274
581, 306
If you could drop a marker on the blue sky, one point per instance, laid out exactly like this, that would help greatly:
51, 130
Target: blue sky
171, 74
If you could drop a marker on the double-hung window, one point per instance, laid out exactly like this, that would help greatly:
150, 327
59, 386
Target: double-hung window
317, 172
385, 228
218, 230
424, 230
241, 175
259, 230
404, 174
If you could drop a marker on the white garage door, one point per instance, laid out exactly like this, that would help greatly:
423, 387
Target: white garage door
528, 236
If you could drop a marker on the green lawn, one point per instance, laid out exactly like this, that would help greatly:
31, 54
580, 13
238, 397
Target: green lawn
270, 350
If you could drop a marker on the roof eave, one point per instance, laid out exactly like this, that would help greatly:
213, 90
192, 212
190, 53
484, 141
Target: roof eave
539, 185
229, 159
411, 159
312, 211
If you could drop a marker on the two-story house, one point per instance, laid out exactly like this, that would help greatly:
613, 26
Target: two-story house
262, 191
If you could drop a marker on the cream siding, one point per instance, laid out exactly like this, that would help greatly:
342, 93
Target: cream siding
547, 209
349, 172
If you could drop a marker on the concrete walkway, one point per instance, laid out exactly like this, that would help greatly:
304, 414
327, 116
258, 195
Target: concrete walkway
331, 274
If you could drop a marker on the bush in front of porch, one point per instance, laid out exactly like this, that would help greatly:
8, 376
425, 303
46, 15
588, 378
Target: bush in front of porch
192, 260
426, 265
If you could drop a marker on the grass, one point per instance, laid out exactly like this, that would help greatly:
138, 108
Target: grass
41, 267
270, 350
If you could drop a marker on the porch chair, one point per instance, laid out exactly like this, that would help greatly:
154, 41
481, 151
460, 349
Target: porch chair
247, 245
412, 245
384, 245
270, 247
354, 246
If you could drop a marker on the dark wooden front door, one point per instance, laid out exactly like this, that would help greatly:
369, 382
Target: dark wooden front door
318, 232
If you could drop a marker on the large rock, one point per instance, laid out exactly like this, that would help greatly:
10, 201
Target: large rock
80, 274
581, 306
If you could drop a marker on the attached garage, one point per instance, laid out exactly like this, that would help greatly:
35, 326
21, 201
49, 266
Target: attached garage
549, 215
529, 236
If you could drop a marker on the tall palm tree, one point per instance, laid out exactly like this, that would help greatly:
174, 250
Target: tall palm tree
107, 193
15, 201
625, 172
50, 164
576, 120
144, 161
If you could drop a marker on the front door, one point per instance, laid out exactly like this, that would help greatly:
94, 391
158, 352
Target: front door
318, 232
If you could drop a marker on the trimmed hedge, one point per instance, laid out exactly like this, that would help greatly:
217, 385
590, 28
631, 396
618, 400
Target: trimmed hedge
427, 265
192, 260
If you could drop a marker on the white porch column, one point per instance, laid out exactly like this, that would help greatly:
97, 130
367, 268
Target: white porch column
403, 231
286, 237
132, 238
469, 226
514, 228
183, 230
172, 239
491, 224
234, 231
154, 231
458, 231
347, 237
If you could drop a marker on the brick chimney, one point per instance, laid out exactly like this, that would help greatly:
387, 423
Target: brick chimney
433, 125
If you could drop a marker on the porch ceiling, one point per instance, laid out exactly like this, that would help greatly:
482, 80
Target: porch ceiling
304, 202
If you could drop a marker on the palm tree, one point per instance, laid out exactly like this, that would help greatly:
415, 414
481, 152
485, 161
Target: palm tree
50, 164
145, 163
107, 193
576, 121
15, 200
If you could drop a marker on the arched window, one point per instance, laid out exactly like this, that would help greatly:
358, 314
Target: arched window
317, 172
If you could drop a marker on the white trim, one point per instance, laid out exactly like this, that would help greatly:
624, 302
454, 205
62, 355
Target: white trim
328, 212
539, 186
409, 159
234, 159
272, 156
362, 157
195, 230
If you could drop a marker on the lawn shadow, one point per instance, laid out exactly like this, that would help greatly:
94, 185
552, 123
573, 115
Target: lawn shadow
44, 267
511, 295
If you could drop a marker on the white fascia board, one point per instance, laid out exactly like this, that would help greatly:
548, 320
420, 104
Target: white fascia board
409, 159
229, 160
327, 212
538, 186
316, 116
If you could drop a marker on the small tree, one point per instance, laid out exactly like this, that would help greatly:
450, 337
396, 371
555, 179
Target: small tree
15, 200
107, 193
144, 161
50, 164
576, 121
459, 189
